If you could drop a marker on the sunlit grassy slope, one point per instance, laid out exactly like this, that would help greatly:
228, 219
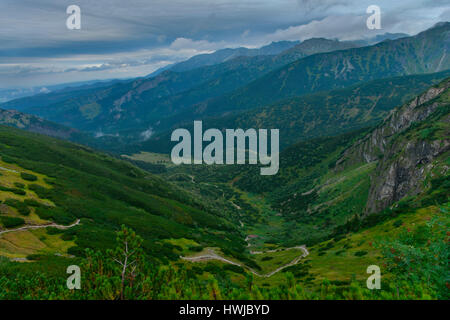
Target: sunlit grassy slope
18, 209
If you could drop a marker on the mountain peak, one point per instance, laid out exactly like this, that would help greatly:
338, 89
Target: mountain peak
441, 24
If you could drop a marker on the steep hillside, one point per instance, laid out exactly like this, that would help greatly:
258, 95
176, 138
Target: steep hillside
74, 182
326, 182
404, 159
316, 115
411, 147
36, 124
58, 94
395, 244
426, 52
256, 250
322, 198
333, 112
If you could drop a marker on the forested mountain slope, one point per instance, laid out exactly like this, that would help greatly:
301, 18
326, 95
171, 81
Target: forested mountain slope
320, 198
319, 114
76, 182
426, 52
324, 182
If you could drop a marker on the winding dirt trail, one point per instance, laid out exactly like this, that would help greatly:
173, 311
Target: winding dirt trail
57, 226
211, 255
9, 170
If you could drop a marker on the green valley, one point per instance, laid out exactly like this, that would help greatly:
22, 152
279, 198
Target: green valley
211, 232
359, 143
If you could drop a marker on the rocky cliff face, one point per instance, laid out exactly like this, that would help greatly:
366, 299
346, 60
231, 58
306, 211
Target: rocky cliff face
405, 151
403, 171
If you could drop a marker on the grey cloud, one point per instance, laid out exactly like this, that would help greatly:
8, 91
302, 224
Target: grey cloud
127, 38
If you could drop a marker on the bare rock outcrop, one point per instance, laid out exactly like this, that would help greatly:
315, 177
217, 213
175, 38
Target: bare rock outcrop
402, 163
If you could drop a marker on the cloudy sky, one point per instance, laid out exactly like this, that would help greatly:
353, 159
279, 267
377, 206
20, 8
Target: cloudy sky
130, 38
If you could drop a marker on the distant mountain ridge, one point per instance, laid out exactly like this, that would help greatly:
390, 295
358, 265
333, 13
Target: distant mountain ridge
426, 52
226, 54
140, 103
135, 108
19, 93
386, 36
34, 124
273, 48
31, 123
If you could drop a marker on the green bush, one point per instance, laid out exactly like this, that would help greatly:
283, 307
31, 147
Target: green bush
76, 251
42, 192
28, 176
24, 210
427, 133
13, 190
20, 206
53, 230
398, 223
67, 237
32, 203
19, 192
7, 159
19, 185
233, 268
266, 258
360, 253
195, 248
11, 222
34, 257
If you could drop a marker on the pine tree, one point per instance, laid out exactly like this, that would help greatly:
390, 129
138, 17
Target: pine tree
128, 255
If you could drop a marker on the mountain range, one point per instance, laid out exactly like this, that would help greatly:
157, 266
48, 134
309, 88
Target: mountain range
132, 108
